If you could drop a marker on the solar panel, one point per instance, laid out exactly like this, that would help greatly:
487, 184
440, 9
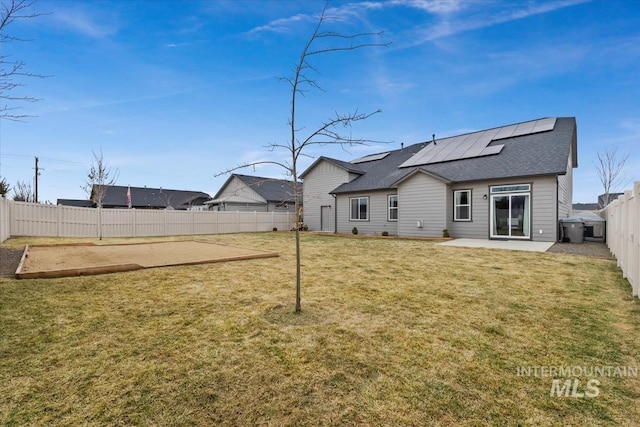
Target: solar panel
544, 125
475, 144
370, 158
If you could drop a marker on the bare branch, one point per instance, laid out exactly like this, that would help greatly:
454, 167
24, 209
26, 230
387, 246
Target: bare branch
610, 169
252, 164
22, 192
10, 70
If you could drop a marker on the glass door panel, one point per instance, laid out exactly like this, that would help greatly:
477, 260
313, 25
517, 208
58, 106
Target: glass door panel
500, 217
510, 215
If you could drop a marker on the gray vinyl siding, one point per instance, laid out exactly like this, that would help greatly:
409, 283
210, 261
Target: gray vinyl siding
478, 227
242, 207
543, 208
238, 188
565, 192
318, 182
377, 221
422, 198
544, 214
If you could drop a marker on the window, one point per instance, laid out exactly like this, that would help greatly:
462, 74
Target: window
462, 205
511, 188
359, 209
393, 208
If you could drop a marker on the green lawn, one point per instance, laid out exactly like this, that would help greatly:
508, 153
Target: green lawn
393, 332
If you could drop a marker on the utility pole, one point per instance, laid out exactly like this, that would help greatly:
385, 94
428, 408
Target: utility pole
35, 198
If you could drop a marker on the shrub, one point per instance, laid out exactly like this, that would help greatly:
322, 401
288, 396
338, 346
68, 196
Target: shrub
445, 233
275, 228
354, 230
385, 233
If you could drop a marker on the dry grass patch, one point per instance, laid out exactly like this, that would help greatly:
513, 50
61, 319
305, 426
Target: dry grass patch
393, 332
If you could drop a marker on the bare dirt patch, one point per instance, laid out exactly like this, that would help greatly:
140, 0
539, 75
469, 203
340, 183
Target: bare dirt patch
79, 259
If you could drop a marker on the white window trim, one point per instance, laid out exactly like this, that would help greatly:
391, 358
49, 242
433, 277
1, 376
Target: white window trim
351, 207
389, 208
455, 206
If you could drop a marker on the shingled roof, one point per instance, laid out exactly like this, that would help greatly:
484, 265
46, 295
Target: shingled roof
152, 198
270, 189
533, 154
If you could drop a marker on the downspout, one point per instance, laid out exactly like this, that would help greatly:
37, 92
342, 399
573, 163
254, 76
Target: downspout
335, 214
559, 230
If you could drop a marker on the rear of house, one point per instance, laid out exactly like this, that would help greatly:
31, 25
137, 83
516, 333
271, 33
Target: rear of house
511, 182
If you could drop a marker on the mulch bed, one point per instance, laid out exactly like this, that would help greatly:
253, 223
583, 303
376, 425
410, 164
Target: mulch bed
9, 260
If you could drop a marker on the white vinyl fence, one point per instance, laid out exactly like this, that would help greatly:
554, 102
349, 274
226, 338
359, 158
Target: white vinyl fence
623, 234
33, 219
5, 224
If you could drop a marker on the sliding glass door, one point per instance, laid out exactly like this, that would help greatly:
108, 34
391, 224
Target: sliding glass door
510, 212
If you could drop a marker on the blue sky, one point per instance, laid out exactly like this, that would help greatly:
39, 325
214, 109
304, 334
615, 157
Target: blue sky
175, 92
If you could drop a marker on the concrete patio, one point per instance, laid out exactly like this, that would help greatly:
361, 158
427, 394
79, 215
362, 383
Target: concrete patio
517, 245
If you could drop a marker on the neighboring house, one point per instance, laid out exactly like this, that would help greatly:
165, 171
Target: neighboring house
76, 203
254, 193
152, 198
511, 182
604, 200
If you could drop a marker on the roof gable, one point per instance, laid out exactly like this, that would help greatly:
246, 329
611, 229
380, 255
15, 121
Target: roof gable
269, 189
349, 167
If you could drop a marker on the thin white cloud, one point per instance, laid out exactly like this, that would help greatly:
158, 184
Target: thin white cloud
84, 22
452, 23
282, 25
345, 12
432, 6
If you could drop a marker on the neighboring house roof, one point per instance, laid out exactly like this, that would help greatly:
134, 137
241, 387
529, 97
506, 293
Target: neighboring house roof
76, 202
585, 207
603, 203
543, 152
270, 189
152, 198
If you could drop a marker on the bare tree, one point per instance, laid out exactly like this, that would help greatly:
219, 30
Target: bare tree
329, 131
22, 192
610, 168
11, 70
4, 187
99, 177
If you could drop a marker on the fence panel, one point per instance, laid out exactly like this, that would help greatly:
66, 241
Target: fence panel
116, 222
33, 219
623, 234
5, 219
77, 222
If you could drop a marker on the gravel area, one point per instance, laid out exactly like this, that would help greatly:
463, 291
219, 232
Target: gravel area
592, 249
9, 260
